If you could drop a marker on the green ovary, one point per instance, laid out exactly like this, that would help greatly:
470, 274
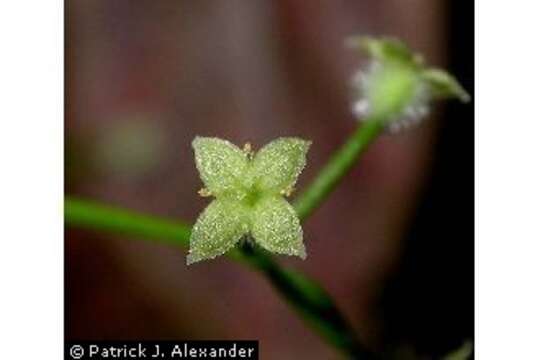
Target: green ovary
253, 196
391, 88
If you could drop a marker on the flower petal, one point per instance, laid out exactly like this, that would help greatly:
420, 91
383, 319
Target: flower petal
386, 49
277, 165
217, 229
276, 227
444, 85
221, 164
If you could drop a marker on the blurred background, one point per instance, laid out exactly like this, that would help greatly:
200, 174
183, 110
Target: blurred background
394, 244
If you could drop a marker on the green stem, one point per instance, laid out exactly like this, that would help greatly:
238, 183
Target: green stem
340, 163
311, 302
92, 215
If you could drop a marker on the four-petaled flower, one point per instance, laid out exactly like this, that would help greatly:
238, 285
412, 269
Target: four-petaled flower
249, 192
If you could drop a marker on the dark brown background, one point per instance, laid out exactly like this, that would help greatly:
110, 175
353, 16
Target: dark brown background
393, 244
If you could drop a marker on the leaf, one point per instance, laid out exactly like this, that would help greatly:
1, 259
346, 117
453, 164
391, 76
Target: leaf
221, 164
443, 85
276, 227
218, 228
277, 165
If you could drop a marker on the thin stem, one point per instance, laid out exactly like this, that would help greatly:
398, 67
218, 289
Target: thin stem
308, 298
92, 215
311, 302
338, 165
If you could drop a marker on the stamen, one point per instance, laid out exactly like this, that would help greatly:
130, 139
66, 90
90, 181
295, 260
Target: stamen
248, 150
204, 192
287, 192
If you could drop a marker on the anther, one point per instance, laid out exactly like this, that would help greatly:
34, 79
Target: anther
204, 192
248, 150
287, 192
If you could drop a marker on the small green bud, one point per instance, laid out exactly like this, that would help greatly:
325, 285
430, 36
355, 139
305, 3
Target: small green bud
396, 88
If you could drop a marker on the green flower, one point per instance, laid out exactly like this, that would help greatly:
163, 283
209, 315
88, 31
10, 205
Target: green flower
249, 192
397, 87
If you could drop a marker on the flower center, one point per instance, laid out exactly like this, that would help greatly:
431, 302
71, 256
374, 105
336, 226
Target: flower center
254, 194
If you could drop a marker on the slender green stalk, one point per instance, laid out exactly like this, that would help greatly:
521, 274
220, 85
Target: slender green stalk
340, 163
311, 302
92, 215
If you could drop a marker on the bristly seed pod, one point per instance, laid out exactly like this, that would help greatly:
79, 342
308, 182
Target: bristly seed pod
396, 87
